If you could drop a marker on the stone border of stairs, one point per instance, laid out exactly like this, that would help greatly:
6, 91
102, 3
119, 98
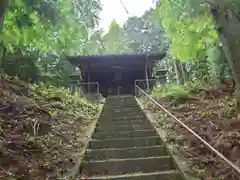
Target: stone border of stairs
180, 163
74, 172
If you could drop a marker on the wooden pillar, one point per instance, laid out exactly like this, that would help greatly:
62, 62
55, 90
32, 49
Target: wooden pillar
146, 73
89, 78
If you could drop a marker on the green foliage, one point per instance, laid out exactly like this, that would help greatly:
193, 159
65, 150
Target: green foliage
72, 102
193, 39
236, 3
116, 40
23, 67
52, 126
147, 35
219, 65
188, 26
46, 31
175, 93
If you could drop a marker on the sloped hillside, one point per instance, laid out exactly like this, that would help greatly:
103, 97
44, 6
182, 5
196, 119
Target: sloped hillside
210, 112
42, 130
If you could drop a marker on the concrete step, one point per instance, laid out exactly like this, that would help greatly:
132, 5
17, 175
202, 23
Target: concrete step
125, 134
125, 146
119, 125
125, 106
124, 121
122, 128
126, 110
125, 166
125, 142
124, 118
135, 152
107, 121
120, 112
119, 115
162, 175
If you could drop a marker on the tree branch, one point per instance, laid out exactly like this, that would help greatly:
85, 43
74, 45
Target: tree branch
124, 7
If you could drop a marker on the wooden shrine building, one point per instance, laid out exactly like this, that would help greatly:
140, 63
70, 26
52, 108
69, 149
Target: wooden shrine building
115, 71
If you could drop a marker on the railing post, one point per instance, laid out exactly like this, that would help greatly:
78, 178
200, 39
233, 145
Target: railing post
135, 89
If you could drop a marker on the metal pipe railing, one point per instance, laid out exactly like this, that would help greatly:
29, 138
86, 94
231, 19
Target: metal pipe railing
231, 164
141, 81
91, 83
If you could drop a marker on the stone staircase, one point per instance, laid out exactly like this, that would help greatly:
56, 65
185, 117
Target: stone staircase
125, 146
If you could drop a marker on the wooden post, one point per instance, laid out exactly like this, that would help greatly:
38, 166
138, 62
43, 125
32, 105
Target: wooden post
146, 73
3, 6
89, 79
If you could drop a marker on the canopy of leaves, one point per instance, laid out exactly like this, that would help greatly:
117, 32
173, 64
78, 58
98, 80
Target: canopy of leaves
116, 40
146, 34
46, 31
188, 26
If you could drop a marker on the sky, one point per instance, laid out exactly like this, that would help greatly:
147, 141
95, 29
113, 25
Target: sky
113, 9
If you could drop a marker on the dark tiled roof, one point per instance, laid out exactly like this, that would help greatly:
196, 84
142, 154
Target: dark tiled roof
107, 57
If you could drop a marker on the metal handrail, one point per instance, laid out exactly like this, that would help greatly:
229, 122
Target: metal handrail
142, 80
236, 168
81, 86
91, 83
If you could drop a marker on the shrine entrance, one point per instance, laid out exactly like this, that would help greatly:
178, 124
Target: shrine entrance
115, 74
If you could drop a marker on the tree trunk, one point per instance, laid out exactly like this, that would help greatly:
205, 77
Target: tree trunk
228, 25
184, 72
170, 69
179, 74
3, 5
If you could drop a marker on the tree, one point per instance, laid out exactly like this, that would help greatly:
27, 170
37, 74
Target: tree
3, 5
227, 20
146, 34
116, 41
192, 36
46, 31
188, 26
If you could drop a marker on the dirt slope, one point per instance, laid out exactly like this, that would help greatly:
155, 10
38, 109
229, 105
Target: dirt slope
211, 114
41, 130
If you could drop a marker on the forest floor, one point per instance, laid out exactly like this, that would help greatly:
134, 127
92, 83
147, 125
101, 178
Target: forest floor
211, 113
42, 130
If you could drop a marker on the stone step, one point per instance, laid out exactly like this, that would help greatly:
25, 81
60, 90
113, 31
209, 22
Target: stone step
118, 103
129, 115
125, 106
162, 175
125, 142
125, 166
129, 110
125, 134
124, 128
135, 152
120, 112
125, 146
120, 126
124, 121
124, 118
